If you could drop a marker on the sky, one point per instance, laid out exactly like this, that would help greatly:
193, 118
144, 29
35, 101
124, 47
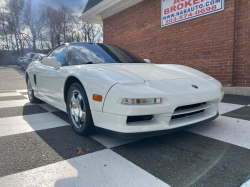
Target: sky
56, 3
71, 3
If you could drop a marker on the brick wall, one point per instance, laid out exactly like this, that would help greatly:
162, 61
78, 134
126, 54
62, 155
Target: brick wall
206, 43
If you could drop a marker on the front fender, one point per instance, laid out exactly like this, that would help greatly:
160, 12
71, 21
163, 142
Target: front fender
94, 82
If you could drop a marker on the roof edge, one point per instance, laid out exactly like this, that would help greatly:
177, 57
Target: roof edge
94, 11
105, 9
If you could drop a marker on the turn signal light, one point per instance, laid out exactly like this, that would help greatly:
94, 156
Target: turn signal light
97, 97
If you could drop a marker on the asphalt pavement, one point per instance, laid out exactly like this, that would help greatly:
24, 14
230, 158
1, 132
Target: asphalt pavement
38, 148
11, 78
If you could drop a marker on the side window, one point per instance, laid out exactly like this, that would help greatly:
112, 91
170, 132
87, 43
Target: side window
60, 54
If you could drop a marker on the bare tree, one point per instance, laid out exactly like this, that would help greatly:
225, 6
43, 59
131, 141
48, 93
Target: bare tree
35, 18
13, 18
35, 26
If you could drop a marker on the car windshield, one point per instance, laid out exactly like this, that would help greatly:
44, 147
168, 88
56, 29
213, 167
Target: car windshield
87, 53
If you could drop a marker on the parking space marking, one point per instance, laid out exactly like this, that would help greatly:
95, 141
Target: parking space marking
226, 129
188, 159
14, 77
26, 96
21, 90
25, 151
47, 141
35, 122
241, 113
6, 91
103, 168
8, 98
247, 183
14, 103
9, 94
228, 107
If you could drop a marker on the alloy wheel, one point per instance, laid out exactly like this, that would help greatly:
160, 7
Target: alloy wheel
77, 109
30, 90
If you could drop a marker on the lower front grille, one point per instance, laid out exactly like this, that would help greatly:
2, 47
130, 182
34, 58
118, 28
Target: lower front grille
187, 114
139, 118
189, 106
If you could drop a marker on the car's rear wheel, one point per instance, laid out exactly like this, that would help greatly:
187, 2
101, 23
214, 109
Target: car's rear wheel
31, 95
79, 111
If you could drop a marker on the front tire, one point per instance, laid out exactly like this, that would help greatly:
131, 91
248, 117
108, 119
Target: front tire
31, 95
79, 111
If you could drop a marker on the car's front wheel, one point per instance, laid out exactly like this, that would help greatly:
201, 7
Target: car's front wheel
79, 111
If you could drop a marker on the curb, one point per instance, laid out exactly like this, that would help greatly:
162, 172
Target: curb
245, 91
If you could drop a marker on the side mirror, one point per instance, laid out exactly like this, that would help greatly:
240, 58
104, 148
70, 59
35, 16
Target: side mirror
52, 62
147, 60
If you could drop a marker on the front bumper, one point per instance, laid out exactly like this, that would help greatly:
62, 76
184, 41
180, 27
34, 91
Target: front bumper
140, 135
182, 105
164, 118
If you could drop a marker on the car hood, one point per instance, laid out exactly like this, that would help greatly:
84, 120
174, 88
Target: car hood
139, 73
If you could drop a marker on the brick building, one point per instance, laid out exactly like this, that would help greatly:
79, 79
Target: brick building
217, 43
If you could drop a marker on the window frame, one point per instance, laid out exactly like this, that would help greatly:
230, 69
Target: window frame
66, 49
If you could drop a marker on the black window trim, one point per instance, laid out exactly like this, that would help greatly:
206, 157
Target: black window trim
55, 49
66, 63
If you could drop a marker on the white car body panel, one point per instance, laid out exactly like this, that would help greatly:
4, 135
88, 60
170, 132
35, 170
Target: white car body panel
172, 83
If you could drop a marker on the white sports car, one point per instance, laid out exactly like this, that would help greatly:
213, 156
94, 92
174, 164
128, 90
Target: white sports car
106, 88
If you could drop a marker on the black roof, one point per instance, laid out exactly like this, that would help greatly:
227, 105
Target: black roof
90, 4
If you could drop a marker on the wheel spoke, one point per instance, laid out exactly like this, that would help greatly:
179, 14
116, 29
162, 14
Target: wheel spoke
78, 100
29, 90
73, 112
76, 119
82, 115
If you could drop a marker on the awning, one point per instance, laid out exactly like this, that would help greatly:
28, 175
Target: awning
97, 10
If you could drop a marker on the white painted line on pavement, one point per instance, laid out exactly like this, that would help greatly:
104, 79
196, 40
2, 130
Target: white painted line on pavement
9, 94
109, 142
102, 168
227, 107
21, 90
29, 123
246, 184
15, 77
7, 71
26, 96
231, 130
14, 103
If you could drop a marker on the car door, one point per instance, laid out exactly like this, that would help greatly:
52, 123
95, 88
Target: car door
50, 80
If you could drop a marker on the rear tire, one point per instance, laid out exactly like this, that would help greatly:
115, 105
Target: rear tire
31, 95
79, 111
